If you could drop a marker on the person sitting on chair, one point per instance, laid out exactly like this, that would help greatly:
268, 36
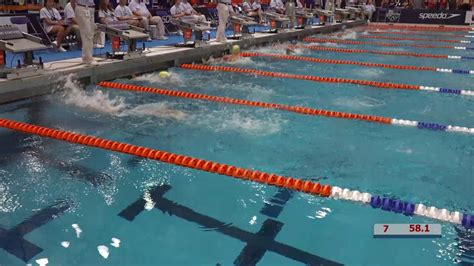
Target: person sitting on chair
277, 6
123, 13
106, 12
53, 23
139, 9
70, 19
185, 12
253, 11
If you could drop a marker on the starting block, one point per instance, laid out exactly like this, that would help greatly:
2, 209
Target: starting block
241, 25
303, 18
278, 22
324, 15
120, 30
14, 41
188, 27
341, 14
355, 12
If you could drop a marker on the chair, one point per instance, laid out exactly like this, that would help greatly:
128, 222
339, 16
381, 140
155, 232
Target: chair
22, 20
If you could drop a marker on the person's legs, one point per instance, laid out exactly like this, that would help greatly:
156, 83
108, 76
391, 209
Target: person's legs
223, 14
77, 32
156, 20
85, 20
145, 23
133, 22
59, 31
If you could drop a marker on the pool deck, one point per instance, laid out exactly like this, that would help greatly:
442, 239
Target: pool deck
160, 57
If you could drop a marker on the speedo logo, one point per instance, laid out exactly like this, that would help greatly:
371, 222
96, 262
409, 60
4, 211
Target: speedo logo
437, 15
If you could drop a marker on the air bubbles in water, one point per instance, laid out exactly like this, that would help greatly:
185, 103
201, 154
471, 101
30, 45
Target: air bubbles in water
103, 251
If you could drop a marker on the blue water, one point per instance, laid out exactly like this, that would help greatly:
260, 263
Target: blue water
417, 165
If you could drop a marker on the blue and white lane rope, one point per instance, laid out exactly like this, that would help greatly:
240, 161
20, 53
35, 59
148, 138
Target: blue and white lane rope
456, 71
432, 126
403, 207
448, 90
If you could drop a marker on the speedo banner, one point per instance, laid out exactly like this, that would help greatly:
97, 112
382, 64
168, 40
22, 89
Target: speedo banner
424, 16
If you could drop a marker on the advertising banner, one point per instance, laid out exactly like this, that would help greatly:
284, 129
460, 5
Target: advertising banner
424, 16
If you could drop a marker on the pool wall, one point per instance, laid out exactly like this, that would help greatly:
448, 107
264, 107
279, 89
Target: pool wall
160, 57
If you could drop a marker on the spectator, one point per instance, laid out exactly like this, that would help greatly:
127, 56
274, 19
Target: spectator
465, 5
53, 23
123, 13
369, 9
106, 12
277, 6
139, 9
253, 11
184, 11
70, 19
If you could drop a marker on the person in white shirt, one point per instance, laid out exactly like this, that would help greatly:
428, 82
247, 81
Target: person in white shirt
53, 23
70, 19
184, 11
277, 6
106, 12
139, 9
299, 4
369, 9
252, 10
123, 13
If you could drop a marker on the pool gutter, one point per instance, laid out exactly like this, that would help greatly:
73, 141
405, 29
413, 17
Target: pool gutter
160, 57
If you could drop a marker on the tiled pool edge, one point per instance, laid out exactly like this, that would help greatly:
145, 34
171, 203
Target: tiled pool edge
159, 58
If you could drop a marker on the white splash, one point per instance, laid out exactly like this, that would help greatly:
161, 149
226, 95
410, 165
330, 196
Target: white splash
99, 101
95, 100
253, 220
348, 35
115, 242
149, 203
65, 244
174, 78
369, 73
77, 229
241, 121
161, 110
103, 251
42, 262
359, 102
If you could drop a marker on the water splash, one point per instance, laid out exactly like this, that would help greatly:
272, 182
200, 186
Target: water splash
99, 101
359, 102
94, 100
174, 79
369, 73
240, 121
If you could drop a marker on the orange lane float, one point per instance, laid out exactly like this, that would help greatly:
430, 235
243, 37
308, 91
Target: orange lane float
334, 61
396, 53
419, 33
296, 184
342, 41
376, 84
411, 39
173, 158
295, 109
419, 28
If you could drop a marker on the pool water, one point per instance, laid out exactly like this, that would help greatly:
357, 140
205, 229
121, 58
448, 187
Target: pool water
201, 218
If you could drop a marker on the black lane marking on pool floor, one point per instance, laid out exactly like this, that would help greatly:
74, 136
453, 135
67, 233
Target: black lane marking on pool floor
252, 254
12, 240
261, 239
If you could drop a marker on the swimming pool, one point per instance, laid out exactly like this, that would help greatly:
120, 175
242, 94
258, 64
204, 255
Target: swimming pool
201, 218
